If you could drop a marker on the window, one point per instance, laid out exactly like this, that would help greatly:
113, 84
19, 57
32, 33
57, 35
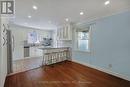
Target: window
83, 39
33, 37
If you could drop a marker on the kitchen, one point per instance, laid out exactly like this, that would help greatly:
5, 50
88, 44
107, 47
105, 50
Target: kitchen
27, 42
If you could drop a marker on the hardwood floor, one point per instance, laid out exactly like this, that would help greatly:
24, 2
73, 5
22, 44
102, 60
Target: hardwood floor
65, 74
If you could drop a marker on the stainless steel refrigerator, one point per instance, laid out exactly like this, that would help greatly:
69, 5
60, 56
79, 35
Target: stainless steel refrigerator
10, 50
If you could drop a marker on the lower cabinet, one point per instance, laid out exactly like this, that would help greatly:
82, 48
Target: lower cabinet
35, 52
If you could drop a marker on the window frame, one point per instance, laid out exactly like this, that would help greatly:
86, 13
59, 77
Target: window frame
89, 40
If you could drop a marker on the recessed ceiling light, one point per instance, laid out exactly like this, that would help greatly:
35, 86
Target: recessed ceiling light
29, 16
34, 7
67, 19
81, 13
107, 2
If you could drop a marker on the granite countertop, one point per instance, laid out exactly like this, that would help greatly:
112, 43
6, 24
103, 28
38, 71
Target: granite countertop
44, 48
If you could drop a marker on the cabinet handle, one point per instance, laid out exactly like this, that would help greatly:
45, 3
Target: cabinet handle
4, 41
4, 28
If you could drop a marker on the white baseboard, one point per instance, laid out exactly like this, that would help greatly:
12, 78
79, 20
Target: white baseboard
104, 70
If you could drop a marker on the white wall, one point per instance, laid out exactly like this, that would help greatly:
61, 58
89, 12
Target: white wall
20, 34
3, 52
0, 54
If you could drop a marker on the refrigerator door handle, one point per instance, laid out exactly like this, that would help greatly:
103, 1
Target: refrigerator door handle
13, 42
4, 41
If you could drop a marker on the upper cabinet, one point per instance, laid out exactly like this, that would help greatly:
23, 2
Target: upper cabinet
64, 32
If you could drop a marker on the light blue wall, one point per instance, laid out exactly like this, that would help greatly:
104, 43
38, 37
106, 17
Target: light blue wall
110, 44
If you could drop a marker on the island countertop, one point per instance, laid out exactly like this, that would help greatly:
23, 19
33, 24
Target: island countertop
47, 48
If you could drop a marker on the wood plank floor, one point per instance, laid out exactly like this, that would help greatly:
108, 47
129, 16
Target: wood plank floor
65, 74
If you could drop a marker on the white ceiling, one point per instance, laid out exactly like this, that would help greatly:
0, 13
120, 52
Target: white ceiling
57, 10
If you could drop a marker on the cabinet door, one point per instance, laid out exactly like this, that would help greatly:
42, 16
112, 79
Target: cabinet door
60, 33
68, 32
64, 32
32, 52
39, 53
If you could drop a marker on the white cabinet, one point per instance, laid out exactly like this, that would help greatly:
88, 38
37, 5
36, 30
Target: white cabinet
39, 52
64, 32
32, 52
35, 52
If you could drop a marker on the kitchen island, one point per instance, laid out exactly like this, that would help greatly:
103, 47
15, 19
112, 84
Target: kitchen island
52, 55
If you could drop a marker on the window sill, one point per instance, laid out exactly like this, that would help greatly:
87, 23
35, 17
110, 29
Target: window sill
88, 51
